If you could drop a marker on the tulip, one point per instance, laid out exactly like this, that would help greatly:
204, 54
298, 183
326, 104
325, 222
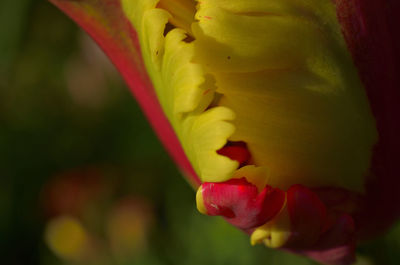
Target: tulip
282, 114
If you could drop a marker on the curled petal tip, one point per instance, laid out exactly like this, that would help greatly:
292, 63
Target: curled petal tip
200, 201
240, 202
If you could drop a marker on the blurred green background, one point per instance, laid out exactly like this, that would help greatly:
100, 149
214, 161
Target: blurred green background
83, 179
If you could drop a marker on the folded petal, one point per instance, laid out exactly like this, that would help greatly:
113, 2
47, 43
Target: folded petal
240, 202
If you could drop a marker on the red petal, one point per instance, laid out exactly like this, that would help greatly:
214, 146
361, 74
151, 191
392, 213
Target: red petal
327, 238
337, 245
106, 23
339, 199
370, 28
241, 203
339, 234
308, 216
341, 255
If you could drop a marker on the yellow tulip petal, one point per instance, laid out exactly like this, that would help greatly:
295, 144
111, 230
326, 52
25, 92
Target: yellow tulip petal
273, 74
185, 91
285, 71
257, 176
182, 12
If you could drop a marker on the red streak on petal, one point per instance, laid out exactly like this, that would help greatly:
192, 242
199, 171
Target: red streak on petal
106, 23
240, 202
206, 91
